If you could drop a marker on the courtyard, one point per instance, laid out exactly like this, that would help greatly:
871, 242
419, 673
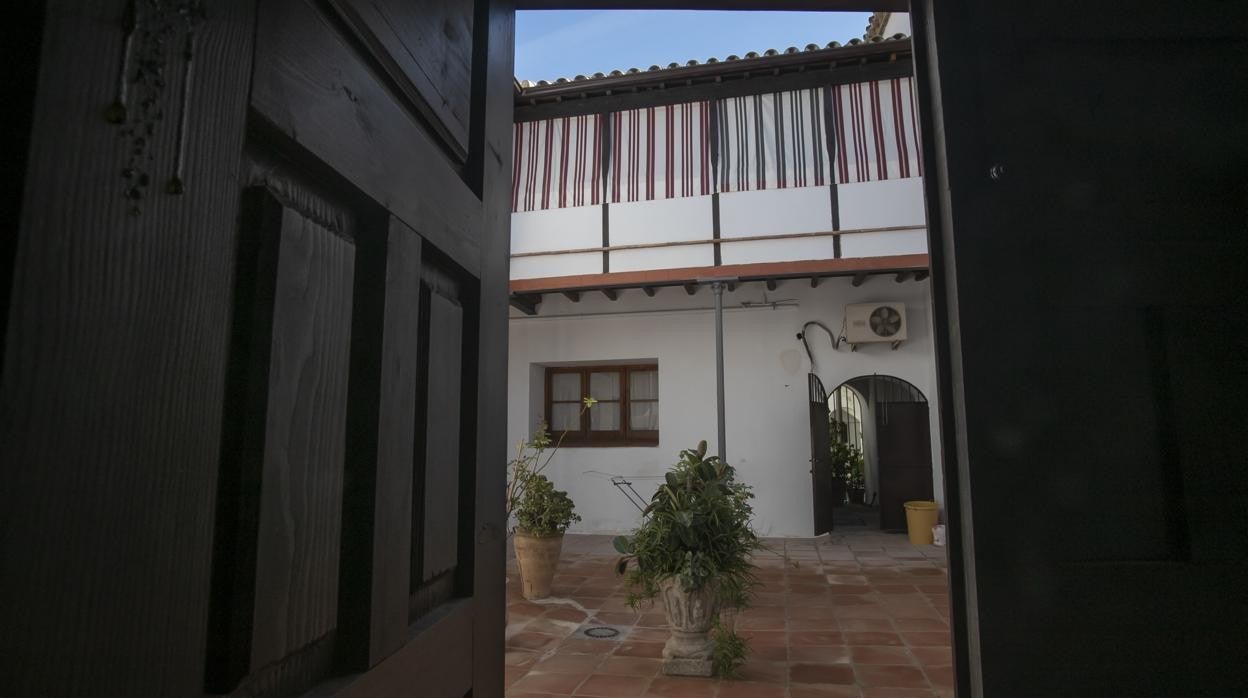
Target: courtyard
861, 614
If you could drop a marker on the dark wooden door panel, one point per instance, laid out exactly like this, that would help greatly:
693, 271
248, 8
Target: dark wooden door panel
114, 357
217, 362
281, 487
904, 452
317, 90
396, 443
301, 480
442, 457
426, 50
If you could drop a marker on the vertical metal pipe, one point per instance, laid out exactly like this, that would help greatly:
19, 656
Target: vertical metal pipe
717, 287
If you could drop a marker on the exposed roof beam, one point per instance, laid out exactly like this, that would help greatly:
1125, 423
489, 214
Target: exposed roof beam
859, 279
814, 281
574, 296
648, 290
610, 293
920, 275
526, 302
732, 286
902, 276
691, 289
771, 284
689, 276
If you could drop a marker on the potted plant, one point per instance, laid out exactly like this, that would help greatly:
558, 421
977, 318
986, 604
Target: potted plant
542, 513
845, 460
693, 550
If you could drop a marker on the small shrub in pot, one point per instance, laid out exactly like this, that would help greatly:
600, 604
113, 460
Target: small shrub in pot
693, 548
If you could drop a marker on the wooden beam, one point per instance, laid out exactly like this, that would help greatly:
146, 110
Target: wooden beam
648, 290
902, 276
859, 279
691, 289
732, 286
574, 296
920, 275
526, 302
814, 282
771, 284
685, 276
610, 293
718, 241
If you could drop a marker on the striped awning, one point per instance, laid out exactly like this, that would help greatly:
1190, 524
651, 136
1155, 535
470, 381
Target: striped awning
842, 134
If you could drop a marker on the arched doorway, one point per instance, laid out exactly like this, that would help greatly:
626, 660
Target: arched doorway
885, 419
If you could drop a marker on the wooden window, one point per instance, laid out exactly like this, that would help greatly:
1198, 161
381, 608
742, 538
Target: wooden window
626, 412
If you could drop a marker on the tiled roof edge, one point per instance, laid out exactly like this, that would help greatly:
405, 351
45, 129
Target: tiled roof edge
752, 60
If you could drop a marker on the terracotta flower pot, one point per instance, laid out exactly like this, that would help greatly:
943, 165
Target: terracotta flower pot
537, 558
691, 615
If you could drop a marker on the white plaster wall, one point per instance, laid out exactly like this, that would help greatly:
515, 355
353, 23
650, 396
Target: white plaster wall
751, 251
898, 23
663, 258
556, 229
663, 220
556, 265
775, 211
886, 203
767, 414
893, 242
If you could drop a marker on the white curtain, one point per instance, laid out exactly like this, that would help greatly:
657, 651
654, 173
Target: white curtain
643, 385
605, 388
565, 394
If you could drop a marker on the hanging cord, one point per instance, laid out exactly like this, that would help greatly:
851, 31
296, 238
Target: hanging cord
836, 341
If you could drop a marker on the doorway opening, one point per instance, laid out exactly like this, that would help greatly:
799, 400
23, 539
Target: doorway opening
882, 423
871, 453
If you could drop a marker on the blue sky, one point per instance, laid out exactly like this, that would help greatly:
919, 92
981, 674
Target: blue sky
552, 44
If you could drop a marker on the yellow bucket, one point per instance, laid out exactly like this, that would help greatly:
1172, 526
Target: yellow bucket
920, 517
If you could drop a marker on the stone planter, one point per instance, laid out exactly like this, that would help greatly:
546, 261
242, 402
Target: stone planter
537, 558
691, 615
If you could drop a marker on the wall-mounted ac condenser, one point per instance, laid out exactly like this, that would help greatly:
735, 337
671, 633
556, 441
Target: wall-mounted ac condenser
875, 322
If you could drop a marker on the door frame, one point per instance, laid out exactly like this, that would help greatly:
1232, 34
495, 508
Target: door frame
963, 626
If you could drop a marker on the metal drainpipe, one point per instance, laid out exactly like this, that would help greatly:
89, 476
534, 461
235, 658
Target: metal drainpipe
717, 287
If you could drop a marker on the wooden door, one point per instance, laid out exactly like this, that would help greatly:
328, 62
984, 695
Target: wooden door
251, 415
826, 489
904, 458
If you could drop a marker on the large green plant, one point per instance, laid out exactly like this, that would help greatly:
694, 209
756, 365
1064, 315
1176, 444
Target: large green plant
845, 460
697, 531
544, 511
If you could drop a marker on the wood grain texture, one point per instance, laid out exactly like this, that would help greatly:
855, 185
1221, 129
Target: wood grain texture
299, 522
395, 444
114, 370
442, 428
312, 86
425, 50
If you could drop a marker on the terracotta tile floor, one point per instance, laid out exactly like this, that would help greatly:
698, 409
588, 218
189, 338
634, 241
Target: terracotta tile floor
861, 614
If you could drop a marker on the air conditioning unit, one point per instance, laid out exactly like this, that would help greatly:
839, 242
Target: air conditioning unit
875, 322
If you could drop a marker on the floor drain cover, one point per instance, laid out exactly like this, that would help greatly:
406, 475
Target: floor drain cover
601, 632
